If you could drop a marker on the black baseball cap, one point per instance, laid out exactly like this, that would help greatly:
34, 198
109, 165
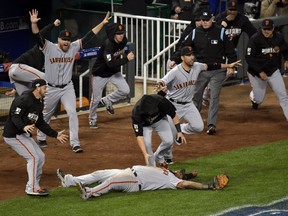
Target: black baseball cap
267, 24
65, 35
37, 83
186, 50
232, 5
206, 15
120, 29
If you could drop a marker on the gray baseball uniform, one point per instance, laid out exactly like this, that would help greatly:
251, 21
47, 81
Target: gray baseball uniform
58, 74
181, 87
135, 179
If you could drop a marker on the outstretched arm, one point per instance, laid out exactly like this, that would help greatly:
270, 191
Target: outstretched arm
34, 21
97, 28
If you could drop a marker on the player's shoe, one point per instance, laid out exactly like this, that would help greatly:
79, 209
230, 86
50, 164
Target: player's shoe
253, 102
109, 107
178, 141
82, 190
93, 125
254, 105
42, 143
39, 192
77, 149
211, 129
169, 161
61, 176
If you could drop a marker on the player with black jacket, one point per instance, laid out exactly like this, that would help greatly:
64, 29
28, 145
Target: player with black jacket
234, 22
26, 113
264, 52
106, 69
150, 113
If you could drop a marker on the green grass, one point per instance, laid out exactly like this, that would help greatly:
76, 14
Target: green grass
258, 175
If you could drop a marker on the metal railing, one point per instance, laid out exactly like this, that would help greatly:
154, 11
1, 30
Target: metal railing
151, 35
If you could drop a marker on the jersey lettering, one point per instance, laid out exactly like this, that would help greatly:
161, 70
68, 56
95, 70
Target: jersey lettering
61, 60
33, 117
185, 84
270, 50
233, 32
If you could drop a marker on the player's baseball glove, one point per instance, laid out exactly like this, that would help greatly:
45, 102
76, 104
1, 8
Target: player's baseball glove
220, 181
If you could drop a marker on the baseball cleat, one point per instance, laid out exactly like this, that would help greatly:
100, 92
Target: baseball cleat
93, 125
82, 190
42, 143
39, 192
77, 149
254, 105
61, 176
109, 107
211, 129
169, 161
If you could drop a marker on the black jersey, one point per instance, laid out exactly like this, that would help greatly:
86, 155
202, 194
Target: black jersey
264, 54
150, 109
111, 55
26, 110
209, 45
236, 27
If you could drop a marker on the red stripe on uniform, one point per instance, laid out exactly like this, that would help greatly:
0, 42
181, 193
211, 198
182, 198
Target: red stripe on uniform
122, 182
34, 164
29, 71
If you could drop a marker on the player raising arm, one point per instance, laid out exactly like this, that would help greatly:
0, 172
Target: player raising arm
59, 60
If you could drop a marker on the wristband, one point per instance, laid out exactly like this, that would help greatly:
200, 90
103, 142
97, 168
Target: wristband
178, 128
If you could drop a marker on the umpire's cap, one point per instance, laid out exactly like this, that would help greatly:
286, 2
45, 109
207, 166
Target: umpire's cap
65, 35
37, 83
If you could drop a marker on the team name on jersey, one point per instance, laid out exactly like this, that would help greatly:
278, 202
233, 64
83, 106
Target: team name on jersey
185, 84
233, 31
33, 117
61, 60
270, 50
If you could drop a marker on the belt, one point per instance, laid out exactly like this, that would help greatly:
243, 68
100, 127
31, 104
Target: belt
179, 102
135, 174
59, 86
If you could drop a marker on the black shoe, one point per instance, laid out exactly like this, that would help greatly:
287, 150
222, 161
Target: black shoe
77, 149
93, 125
254, 105
211, 129
42, 143
169, 161
109, 107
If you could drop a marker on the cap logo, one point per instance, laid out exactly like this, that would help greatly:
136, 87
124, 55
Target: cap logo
266, 22
67, 34
37, 85
190, 48
205, 13
120, 27
233, 4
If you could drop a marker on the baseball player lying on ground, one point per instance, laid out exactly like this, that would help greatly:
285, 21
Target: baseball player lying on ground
137, 178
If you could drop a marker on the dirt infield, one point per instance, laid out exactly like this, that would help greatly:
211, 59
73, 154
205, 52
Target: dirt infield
113, 144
